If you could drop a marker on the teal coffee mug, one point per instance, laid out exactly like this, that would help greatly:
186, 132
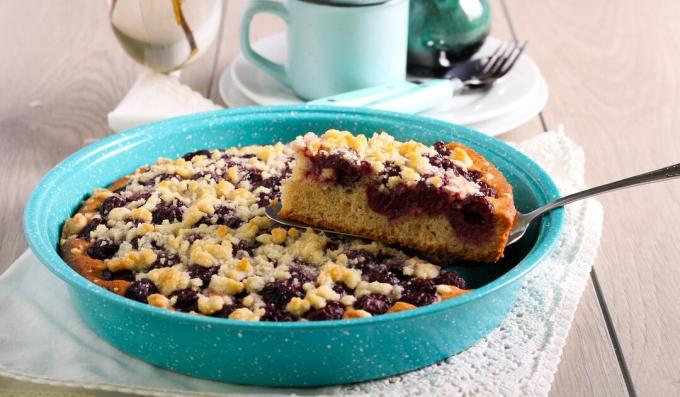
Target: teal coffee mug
335, 46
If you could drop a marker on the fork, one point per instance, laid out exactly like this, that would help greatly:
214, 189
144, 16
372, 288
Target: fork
416, 96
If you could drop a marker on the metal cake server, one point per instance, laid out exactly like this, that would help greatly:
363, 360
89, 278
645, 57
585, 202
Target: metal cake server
522, 221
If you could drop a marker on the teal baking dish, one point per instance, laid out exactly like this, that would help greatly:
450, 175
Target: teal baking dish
287, 354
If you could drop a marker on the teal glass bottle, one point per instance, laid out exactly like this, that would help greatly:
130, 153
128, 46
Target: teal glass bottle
442, 32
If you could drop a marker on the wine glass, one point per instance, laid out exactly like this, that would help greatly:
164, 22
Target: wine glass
165, 35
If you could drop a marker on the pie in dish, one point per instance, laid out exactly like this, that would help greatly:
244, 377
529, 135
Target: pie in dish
190, 235
446, 198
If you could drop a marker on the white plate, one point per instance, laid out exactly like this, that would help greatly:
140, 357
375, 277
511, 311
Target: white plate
515, 117
233, 97
512, 91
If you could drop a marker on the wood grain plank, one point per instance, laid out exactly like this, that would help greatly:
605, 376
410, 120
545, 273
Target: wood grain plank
65, 73
612, 68
501, 27
56, 91
588, 366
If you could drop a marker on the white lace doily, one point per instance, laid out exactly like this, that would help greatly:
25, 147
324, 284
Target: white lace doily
518, 358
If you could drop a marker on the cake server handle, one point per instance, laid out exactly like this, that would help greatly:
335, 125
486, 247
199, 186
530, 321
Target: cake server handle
365, 96
523, 221
405, 97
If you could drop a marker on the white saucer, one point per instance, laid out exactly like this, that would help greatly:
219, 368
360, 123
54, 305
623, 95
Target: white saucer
511, 92
234, 98
515, 117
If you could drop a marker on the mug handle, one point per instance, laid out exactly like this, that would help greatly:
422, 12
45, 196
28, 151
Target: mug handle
255, 7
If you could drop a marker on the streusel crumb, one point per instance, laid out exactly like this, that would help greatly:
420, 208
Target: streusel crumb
191, 235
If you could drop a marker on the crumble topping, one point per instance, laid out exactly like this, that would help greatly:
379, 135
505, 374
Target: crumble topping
395, 162
353, 313
159, 300
210, 304
190, 234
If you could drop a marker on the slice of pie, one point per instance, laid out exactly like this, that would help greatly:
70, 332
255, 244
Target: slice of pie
445, 198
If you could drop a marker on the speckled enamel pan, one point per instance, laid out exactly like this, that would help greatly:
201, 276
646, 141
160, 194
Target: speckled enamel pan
287, 354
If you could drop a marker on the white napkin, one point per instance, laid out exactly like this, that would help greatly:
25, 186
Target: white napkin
44, 342
154, 97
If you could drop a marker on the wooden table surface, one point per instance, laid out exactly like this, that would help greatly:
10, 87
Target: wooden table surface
614, 85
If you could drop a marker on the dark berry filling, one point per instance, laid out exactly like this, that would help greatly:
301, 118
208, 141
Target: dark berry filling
169, 212
243, 247
373, 303
203, 273
139, 196
474, 220
471, 218
279, 293
103, 249
450, 278
342, 290
345, 172
135, 242
485, 189
232, 160
442, 160
332, 311
441, 148
419, 292
225, 311
160, 177
376, 267
165, 259
390, 169
273, 184
225, 216
193, 237
332, 245
191, 155
360, 258
254, 177
302, 271
110, 203
85, 233
140, 290
213, 175
187, 300
274, 313
380, 273
126, 275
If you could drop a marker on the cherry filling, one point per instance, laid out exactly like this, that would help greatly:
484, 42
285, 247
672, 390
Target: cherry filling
344, 171
403, 200
191, 155
474, 220
471, 217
